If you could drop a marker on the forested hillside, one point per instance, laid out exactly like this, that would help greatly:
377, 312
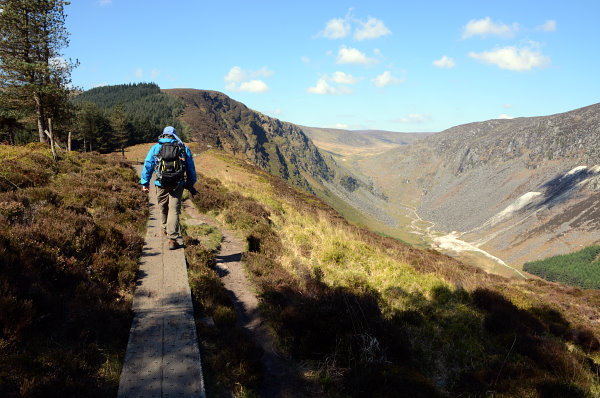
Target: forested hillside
112, 117
580, 269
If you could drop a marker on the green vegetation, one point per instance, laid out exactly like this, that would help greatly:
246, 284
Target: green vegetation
366, 313
112, 117
580, 269
70, 241
34, 77
230, 359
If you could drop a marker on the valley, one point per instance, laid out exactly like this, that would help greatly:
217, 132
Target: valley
496, 194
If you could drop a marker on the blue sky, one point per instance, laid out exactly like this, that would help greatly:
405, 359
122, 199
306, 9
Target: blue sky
392, 65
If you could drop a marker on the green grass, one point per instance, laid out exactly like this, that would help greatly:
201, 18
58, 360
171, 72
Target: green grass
230, 359
364, 312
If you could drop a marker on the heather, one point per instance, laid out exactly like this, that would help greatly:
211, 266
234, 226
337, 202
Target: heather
70, 239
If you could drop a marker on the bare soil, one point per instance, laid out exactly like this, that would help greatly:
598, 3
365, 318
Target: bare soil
281, 378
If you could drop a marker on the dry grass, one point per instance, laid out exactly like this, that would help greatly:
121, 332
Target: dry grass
369, 313
230, 359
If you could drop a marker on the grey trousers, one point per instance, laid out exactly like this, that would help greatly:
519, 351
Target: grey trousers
169, 203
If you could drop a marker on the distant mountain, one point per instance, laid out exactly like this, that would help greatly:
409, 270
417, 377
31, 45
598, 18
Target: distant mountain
217, 121
283, 149
519, 189
511, 190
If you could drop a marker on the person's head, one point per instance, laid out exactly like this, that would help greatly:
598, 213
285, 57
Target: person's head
169, 130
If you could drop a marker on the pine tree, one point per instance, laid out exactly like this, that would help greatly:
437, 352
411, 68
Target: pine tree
33, 76
88, 124
118, 123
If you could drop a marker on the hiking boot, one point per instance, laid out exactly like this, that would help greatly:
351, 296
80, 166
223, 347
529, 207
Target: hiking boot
173, 244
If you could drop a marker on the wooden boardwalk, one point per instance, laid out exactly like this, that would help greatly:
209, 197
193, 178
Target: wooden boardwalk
162, 358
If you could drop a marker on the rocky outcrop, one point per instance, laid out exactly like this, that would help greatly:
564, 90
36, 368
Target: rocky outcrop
217, 121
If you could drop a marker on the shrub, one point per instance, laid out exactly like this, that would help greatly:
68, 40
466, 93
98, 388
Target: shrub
69, 248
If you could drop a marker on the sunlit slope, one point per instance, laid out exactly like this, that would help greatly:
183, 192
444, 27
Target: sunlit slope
519, 189
329, 288
286, 150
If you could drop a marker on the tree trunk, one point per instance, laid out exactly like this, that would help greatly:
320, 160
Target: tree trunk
69, 142
52, 139
39, 110
11, 135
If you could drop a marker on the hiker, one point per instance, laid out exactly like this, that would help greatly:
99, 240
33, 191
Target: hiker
174, 166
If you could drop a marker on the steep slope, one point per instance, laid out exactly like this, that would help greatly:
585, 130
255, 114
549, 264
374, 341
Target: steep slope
285, 150
367, 313
217, 121
521, 189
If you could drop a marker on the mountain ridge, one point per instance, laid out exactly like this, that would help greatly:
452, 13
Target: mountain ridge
281, 148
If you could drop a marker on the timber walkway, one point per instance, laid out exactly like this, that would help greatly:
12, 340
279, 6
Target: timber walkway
162, 358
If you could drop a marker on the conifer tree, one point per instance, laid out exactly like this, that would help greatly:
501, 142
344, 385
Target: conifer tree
33, 75
88, 124
118, 123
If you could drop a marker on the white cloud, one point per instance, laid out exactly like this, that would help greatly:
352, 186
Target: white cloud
548, 26
505, 116
353, 56
344, 78
277, 112
386, 79
305, 60
337, 28
321, 88
342, 126
324, 88
105, 2
154, 73
513, 58
262, 72
485, 27
236, 75
413, 118
507, 106
139, 73
444, 62
253, 86
371, 29
239, 80
58, 63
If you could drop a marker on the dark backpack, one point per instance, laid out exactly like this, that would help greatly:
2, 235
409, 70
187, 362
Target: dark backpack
170, 164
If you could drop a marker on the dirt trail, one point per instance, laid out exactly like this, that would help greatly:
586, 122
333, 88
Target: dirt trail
280, 379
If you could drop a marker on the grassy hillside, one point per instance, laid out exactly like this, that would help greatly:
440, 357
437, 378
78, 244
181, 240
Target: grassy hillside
370, 315
580, 269
70, 240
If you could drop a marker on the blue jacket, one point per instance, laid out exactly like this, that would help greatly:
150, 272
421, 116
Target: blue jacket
150, 162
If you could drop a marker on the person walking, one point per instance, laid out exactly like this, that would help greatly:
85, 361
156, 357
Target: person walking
173, 163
